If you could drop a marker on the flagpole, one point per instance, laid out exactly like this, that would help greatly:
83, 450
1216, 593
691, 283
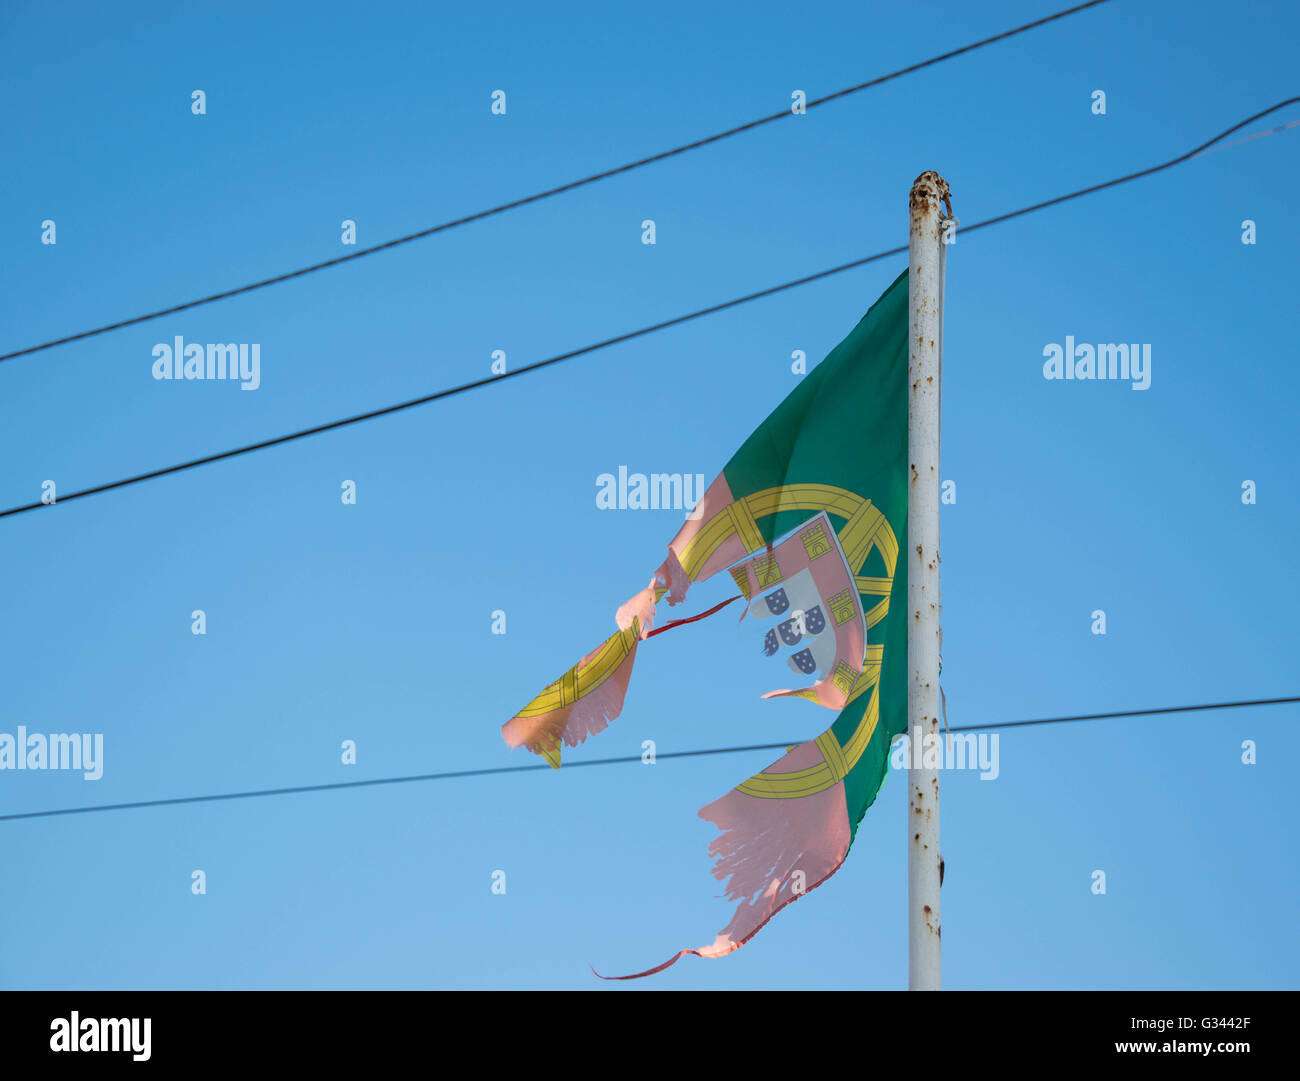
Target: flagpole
924, 335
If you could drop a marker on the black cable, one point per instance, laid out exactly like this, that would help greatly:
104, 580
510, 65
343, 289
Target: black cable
449, 392
1138, 175
547, 194
1129, 713
137, 804
463, 387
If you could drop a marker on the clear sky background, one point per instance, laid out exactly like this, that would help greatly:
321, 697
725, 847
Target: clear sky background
372, 622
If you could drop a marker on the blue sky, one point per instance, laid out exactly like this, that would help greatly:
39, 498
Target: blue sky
372, 622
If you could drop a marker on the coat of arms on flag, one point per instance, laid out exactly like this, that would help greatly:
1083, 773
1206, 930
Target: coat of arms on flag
807, 518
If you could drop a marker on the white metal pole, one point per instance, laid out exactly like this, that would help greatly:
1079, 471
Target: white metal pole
925, 321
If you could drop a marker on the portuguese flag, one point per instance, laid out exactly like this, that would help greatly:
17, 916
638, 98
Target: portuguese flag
807, 518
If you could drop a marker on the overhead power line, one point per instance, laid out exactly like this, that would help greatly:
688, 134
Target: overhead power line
1139, 174
1251, 138
1128, 713
449, 392
537, 197
625, 759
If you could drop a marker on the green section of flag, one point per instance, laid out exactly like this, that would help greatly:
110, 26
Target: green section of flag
846, 425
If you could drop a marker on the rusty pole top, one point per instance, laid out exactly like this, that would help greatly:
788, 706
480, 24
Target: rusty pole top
928, 190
